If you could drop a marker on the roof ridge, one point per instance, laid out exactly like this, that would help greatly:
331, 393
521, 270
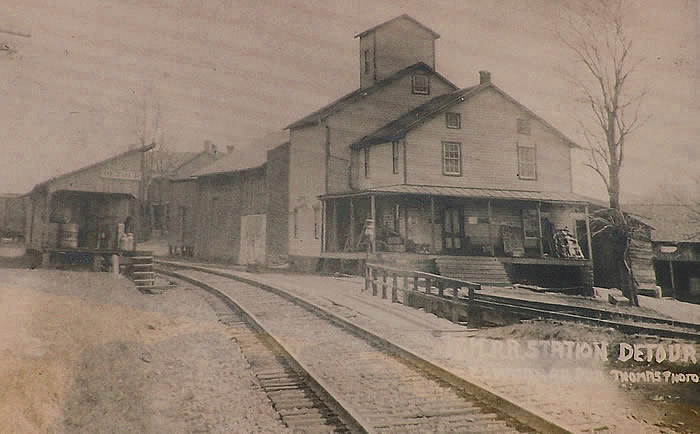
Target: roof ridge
404, 16
364, 92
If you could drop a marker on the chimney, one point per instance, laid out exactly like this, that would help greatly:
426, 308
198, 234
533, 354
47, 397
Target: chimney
484, 77
209, 147
229, 148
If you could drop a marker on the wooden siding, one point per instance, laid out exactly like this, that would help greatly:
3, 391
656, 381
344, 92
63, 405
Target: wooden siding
381, 169
278, 206
182, 195
402, 43
368, 115
308, 178
367, 44
490, 142
91, 179
222, 202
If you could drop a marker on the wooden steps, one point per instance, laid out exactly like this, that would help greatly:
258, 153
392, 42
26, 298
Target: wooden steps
142, 273
484, 270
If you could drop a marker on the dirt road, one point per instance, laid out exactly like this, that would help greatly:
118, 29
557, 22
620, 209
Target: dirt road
85, 352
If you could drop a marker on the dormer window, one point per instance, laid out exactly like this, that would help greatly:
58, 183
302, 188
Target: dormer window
421, 84
454, 120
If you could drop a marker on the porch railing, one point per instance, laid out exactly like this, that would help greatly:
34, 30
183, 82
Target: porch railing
431, 284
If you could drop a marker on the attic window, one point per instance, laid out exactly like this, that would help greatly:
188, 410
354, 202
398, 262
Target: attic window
523, 126
421, 84
454, 120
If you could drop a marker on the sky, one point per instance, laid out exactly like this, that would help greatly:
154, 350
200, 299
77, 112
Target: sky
232, 71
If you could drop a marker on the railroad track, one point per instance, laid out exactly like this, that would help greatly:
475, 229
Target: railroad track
366, 383
625, 322
301, 404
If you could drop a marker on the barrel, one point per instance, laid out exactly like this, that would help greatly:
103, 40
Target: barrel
68, 235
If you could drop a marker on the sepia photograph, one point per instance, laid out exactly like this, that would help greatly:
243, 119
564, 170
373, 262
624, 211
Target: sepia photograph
388, 216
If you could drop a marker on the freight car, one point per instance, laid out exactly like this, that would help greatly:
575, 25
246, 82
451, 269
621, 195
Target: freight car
12, 215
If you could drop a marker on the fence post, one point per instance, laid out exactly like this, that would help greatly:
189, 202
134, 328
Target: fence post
428, 285
368, 274
441, 287
384, 284
405, 289
455, 304
472, 310
394, 287
374, 281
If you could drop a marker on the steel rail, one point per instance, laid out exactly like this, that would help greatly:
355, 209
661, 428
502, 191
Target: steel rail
347, 416
526, 416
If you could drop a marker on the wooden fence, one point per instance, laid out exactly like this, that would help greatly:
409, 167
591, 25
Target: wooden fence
379, 276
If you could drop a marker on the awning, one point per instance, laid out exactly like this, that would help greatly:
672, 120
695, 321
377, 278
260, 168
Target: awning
463, 192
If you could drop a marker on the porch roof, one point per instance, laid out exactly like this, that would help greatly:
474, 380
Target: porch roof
477, 193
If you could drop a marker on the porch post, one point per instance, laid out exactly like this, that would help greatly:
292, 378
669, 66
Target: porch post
539, 227
432, 223
335, 225
373, 216
352, 225
405, 222
323, 225
588, 236
491, 246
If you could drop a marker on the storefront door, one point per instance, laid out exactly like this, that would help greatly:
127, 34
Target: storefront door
452, 230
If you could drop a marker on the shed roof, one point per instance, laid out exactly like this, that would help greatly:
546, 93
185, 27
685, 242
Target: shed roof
399, 127
358, 94
400, 17
480, 193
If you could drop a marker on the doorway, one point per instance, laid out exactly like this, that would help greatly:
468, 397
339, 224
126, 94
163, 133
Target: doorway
452, 230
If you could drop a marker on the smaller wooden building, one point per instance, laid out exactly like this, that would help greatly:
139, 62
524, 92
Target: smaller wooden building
675, 244
240, 213
81, 211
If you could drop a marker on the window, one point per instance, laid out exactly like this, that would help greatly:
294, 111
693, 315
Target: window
421, 84
451, 158
367, 162
454, 120
395, 156
366, 61
523, 126
527, 162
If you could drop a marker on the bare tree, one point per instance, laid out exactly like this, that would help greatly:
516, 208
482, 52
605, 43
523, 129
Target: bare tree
159, 163
595, 32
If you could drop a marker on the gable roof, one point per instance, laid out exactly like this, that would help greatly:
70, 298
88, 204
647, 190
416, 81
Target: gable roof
399, 127
358, 94
400, 17
252, 158
92, 166
675, 222
182, 172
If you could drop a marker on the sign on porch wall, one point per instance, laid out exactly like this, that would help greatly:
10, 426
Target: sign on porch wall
126, 175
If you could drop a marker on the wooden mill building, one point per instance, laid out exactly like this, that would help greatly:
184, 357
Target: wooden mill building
463, 181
